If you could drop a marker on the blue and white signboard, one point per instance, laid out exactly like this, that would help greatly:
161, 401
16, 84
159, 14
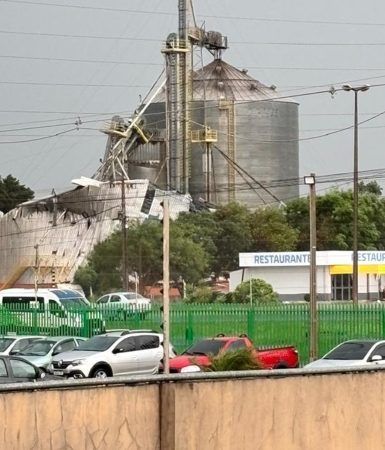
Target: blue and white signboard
324, 258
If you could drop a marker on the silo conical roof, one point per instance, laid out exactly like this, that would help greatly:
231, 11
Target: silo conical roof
220, 80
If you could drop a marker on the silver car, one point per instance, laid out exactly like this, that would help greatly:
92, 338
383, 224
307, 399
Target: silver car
41, 351
109, 354
12, 344
354, 353
122, 304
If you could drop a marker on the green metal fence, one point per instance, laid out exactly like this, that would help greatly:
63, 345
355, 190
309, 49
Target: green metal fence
265, 325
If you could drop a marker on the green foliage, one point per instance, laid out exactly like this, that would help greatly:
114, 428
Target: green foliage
204, 294
260, 292
233, 236
12, 193
86, 277
335, 218
242, 359
188, 258
271, 232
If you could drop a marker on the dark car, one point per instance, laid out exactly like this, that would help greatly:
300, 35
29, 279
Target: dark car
17, 370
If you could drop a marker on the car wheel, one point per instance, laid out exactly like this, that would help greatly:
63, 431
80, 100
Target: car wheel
281, 366
100, 372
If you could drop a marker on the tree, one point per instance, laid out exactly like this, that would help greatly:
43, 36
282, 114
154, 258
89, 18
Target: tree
335, 218
271, 232
12, 193
188, 259
233, 236
86, 277
260, 292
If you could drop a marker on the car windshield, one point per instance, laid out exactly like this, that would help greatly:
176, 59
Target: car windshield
74, 302
132, 296
38, 348
5, 343
350, 350
209, 346
97, 344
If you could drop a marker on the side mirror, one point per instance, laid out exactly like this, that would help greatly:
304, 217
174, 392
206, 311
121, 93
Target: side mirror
117, 350
376, 358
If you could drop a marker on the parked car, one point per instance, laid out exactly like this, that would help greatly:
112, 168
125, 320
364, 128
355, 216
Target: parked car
12, 344
122, 304
51, 309
110, 354
172, 351
197, 355
41, 351
14, 369
357, 352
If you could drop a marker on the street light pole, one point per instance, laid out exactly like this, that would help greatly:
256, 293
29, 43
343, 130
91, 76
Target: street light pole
356, 90
310, 180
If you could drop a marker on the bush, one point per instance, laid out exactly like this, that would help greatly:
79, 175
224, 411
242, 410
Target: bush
242, 359
204, 294
261, 292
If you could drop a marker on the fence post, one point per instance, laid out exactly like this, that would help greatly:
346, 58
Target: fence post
189, 329
251, 323
34, 321
383, 322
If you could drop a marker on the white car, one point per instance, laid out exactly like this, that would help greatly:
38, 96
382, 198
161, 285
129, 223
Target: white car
110, 354
124, 302
354, 353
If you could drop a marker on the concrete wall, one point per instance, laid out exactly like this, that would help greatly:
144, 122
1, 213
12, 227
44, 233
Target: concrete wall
287, 410
119, 417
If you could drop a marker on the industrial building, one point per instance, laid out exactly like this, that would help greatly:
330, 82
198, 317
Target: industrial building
210, 135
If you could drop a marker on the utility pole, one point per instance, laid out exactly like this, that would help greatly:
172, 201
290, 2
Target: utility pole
310, 180
356, 90
124, 238
166, 285
36, 247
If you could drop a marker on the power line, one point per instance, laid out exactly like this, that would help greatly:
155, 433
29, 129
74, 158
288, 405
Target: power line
32, 83
167, 13
88, 61
39, 138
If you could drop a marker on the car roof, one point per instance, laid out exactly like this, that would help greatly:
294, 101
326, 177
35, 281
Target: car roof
122, 293
126, 332
61, 338
21, 336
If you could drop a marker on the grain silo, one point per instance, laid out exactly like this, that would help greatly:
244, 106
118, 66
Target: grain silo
243, 138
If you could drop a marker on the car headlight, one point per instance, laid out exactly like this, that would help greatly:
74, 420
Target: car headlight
192, 368
77, 362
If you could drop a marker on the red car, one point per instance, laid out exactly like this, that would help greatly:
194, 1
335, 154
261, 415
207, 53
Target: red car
197, 354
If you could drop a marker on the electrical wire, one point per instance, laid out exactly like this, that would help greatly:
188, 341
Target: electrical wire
213, 16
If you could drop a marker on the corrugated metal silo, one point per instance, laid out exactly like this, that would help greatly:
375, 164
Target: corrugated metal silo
257, 138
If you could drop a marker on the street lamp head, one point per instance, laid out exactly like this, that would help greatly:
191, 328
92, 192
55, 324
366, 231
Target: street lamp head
309, 179
348, 87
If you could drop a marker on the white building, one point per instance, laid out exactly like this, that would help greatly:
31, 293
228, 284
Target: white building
289, 273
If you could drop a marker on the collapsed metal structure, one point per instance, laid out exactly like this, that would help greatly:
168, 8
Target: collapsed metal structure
181, 141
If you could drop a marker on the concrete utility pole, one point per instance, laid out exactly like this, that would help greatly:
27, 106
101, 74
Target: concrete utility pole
356, 90
310, 180
124, 238
166, 285
36, 247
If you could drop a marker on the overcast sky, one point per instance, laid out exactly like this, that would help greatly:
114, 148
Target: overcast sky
60, 64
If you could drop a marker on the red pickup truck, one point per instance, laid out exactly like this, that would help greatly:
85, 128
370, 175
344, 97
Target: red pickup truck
197, 354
